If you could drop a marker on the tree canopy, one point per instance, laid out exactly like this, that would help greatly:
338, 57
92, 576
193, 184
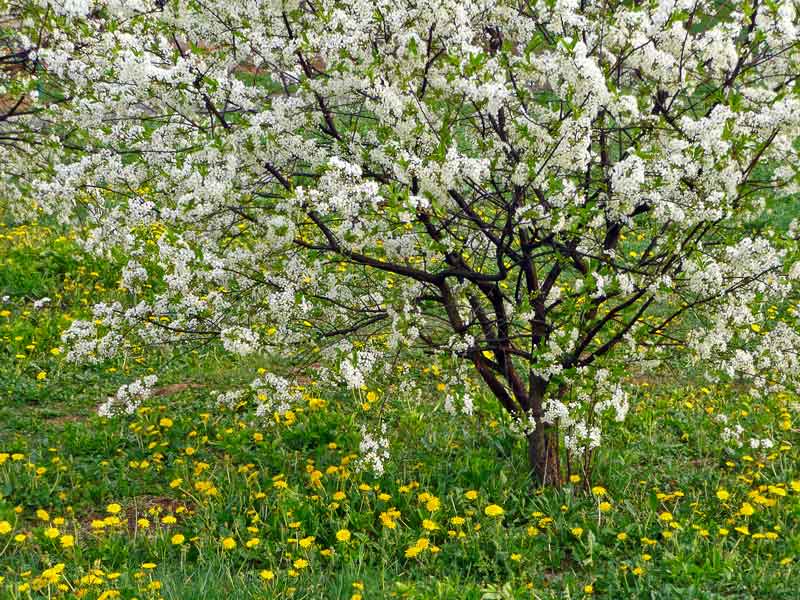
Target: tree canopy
548, 194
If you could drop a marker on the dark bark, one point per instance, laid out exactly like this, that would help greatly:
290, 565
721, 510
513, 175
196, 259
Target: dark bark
543, 455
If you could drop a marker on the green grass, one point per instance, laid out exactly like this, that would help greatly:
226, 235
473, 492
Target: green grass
217, 472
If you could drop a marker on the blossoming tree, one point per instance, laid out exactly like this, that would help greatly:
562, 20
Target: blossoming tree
543, 193
19, 80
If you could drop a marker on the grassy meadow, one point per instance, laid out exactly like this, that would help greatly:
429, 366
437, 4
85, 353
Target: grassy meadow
189, 499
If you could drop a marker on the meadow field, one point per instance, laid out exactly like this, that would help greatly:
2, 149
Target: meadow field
190, 498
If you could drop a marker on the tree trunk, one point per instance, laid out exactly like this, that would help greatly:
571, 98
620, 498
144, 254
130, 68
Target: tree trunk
543, 456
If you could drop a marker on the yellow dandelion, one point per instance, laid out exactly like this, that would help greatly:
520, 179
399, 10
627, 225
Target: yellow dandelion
343, 535
433, 504
493, 510
229, 543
